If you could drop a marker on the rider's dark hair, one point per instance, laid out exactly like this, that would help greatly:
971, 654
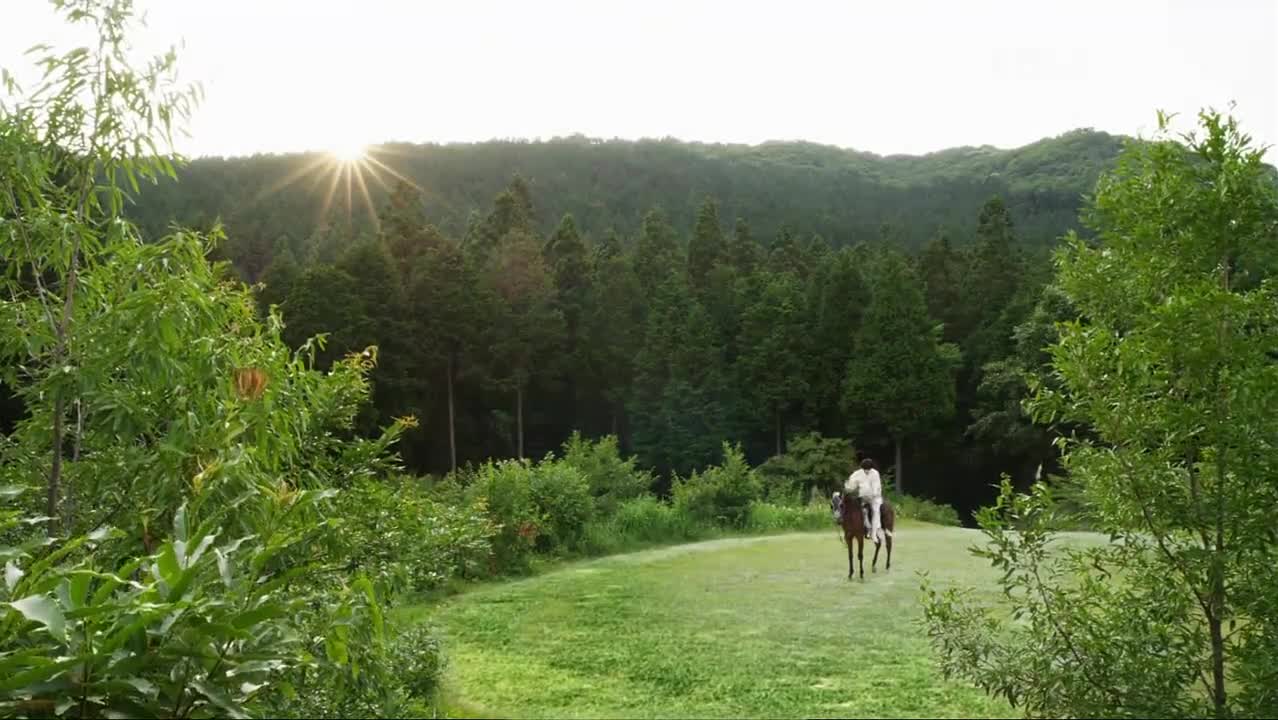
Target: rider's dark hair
867, 464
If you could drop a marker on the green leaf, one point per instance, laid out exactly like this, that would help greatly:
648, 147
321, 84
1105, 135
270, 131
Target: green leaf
166, 567
223, 568
179, 523
335, 649
253, 617
42, 609
11, 491
219, 698
12, 574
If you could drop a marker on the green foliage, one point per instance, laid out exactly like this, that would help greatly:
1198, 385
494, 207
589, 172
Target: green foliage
838, 297
406, 541
707, 249
812, 465
1170, 364
325, 301
657, 253
642, 521
840, 194
505, 489
720, 494
278, 278
909, 507
612, 480
762, 517
186, 455
418, 659
563, 498
612, 329
941, 270
84, 637
527, 329
900, 378
774, 351
678, 402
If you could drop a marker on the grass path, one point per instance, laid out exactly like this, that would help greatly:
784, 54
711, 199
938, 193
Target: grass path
754, 627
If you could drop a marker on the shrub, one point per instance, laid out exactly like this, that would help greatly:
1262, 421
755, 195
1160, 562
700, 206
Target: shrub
642, 521
767, 517
812, 465
418, 659
563, 500
407, 541
913, 508
505, 488
611, 479
721, 494
650, 520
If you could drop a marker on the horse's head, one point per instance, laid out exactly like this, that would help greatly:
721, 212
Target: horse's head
836, 506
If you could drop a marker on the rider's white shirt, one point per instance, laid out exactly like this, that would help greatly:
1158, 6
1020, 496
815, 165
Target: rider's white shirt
865, 484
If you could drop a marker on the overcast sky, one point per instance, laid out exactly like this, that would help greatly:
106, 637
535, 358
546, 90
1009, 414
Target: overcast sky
885, 76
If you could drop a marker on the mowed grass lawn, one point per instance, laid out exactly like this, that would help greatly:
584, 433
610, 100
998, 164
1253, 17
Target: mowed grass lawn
754, 627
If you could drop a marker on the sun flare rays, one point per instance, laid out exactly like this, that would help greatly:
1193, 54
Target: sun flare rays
347, 168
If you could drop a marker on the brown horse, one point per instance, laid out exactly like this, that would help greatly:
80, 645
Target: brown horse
852, 519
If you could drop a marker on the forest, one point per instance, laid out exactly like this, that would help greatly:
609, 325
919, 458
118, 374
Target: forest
274, 429
675, 294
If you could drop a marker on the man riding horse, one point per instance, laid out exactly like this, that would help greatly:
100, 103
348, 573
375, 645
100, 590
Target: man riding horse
866, 485
869, 510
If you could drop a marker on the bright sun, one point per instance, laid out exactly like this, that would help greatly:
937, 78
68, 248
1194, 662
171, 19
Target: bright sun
348, 152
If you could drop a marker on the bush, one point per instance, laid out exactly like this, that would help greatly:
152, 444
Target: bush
505, 488
766, 517
406, 541
563, 499
722, 494
418, 659
612, 480
913, 508
812, 465
641, 521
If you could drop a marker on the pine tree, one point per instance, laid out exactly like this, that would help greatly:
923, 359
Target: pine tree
841, 295
404, 229
940, 268
278, 278
325, 300
786, 253
773, 365
707, 249
677, 404
657, 255
512, 212
612, 331
383, 323
995, 275
566, 255
527, 329
743, 250
900, 376
445, 299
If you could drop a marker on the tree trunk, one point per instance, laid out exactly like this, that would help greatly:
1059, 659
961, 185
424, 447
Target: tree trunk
900, 471
452, 423
519, 420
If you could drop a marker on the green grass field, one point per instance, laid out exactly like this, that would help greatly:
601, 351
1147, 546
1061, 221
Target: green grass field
754, 627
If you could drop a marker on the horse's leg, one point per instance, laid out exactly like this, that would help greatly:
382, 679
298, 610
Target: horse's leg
847, 539
860, 554
889, 554
874, 564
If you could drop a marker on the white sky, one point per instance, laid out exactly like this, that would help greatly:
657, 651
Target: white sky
889, 76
